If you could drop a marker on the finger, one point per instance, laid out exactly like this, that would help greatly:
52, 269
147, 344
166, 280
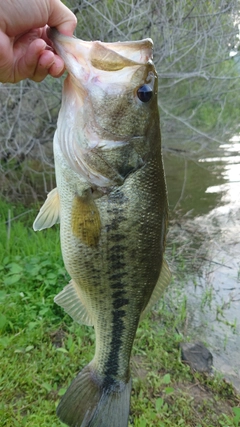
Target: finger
6, 59
50, 62
37, 62
45, 62
62, 18
57, 68
28, 63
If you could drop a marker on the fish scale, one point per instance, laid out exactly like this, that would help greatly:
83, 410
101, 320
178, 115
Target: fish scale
111, 202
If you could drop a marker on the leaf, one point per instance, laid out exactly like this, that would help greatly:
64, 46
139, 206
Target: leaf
142, 423
62, 391
29, 348
159, 404
4, 342
3, 321
167, 379
19, 350
70, 342
43, 311
32, 325
10, 280
3, 295
47, 386
5, 260
15, 268
52, 276
33, 269
62, 350
236, 411
169, 390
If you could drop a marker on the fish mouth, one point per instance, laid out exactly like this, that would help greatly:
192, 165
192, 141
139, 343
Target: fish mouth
85, 60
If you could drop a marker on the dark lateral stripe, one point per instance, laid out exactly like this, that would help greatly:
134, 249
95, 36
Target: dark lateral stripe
118, 314
117, 275
120, 302
112, 365
119, 294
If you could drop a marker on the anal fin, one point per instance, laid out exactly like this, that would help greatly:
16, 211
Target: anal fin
161, 285
71, 301
49, 213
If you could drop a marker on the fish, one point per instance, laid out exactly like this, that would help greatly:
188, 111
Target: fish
112, 206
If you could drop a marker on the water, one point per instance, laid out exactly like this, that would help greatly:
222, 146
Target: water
207, 192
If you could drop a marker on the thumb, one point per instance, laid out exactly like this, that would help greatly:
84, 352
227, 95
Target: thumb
6, 58
62, 18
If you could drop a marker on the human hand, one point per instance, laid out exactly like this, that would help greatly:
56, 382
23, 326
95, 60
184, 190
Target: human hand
25, 51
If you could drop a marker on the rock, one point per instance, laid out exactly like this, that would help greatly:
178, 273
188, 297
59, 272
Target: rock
197, 356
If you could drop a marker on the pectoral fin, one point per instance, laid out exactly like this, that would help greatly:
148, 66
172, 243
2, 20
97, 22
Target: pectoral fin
49, 213
162, 283
71, 300
85, 220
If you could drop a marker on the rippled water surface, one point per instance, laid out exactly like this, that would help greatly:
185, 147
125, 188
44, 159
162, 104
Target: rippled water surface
207, 190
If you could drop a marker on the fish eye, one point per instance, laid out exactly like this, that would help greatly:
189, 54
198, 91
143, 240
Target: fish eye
145, 93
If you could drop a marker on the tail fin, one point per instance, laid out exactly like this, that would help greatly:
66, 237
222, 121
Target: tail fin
90, 403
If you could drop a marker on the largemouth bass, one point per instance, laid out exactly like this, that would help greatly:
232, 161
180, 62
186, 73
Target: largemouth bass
111, 202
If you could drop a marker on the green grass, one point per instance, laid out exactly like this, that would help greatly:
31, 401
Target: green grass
42, 349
